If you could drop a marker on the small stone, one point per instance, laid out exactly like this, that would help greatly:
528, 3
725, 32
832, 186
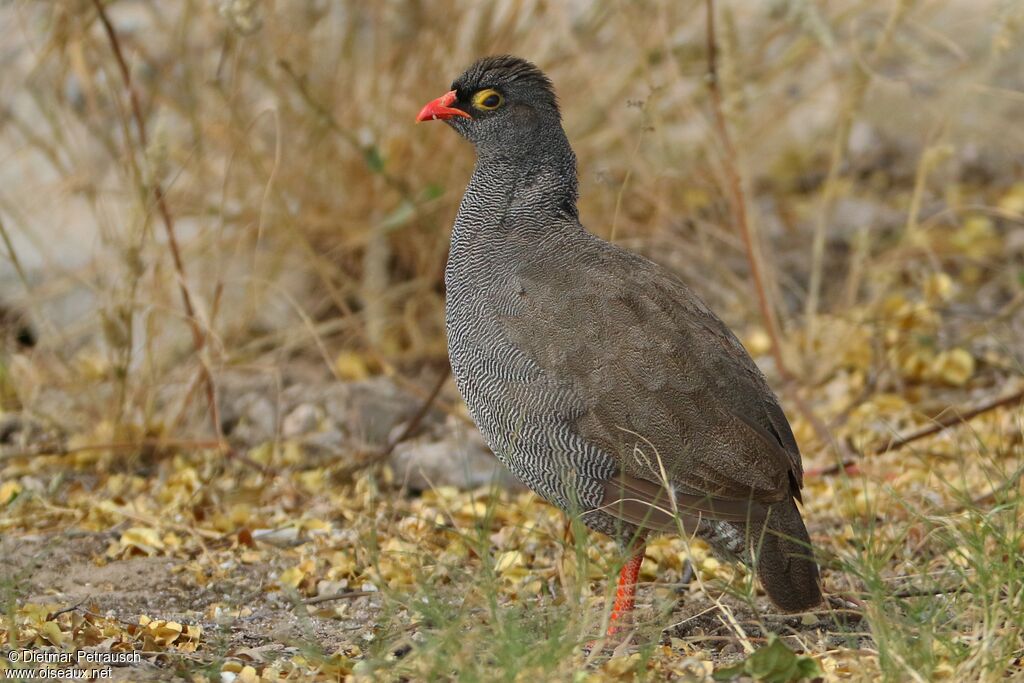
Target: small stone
257, 419
368, 410
331, 587
324, 446
458, 459
302, 420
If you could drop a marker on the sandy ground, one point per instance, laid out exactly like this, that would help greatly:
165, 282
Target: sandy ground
68, 569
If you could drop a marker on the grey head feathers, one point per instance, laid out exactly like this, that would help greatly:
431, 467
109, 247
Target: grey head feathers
524, 115
512, 74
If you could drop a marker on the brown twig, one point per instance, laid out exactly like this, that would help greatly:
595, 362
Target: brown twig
159, 197
957, 417
414, 423
410, 427
12, 255
347, 595
736, 194
929, 592
738, 201
840, 466
72, 608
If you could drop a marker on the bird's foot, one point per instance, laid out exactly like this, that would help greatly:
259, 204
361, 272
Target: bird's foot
616, 641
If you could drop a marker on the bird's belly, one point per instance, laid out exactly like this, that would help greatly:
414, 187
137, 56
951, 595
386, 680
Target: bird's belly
525, 417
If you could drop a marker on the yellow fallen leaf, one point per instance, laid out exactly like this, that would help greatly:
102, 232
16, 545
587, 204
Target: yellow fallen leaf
51, 633
251, 557
977, 237
620, 666
291, 578
337, 666
660, 551
1013, 201
954, 367
143, 539
351, 366
709, 567
248, 675
475, 509
171, 541
938, 287
400, 547
313, 481
916, 363
649, 571
231, 667
507, 560
164, 632
341, 564
8, 490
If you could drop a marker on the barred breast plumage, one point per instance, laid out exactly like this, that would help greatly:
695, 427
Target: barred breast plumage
599, 379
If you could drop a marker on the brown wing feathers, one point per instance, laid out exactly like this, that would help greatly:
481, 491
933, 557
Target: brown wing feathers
652, 506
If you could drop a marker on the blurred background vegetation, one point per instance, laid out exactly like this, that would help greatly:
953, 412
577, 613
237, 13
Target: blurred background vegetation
876, 144
201, 193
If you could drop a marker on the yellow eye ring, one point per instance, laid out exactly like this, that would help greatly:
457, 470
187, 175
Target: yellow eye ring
488, 100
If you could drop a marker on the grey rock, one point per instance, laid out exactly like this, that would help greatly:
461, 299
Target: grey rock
459, 458
304, 419
325, 446
255, 418
364, 412
369, 410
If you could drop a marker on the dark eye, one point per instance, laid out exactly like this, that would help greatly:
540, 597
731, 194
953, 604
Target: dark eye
487, 99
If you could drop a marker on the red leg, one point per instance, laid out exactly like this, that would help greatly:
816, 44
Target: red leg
625, 594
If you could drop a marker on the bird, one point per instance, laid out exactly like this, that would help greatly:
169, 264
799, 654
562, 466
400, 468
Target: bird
600, 379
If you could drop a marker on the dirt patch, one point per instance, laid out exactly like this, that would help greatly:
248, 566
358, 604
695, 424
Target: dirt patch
71, 570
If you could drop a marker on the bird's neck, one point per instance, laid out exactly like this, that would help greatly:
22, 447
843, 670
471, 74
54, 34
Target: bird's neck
531, 187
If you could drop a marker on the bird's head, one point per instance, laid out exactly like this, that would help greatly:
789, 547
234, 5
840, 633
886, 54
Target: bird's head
499, 102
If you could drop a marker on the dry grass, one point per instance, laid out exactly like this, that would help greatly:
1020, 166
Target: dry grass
874, 146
